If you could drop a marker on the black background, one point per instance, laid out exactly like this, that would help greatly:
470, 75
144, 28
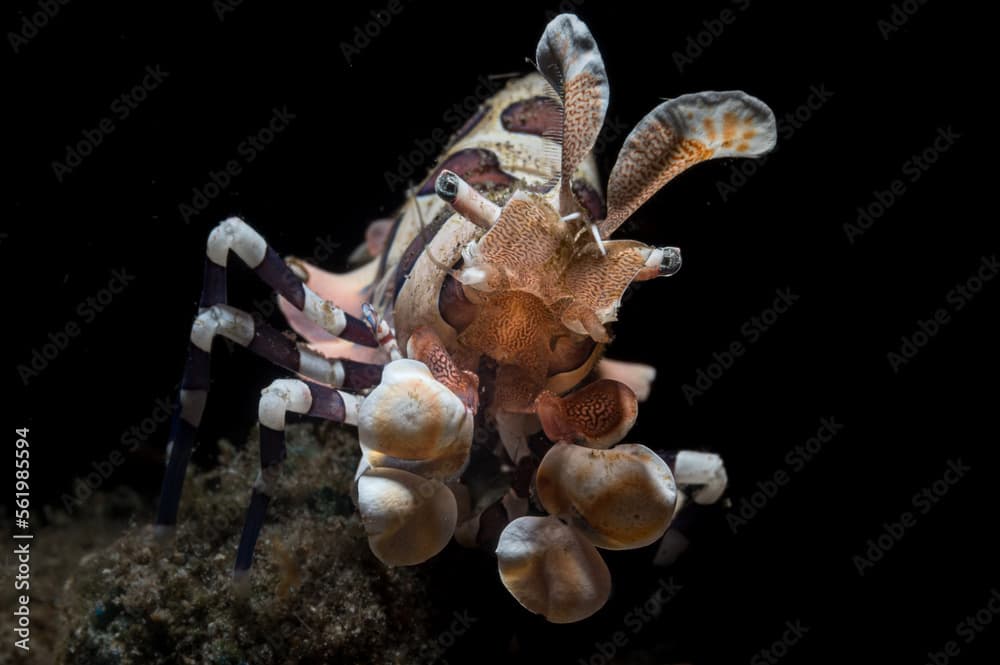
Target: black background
784, 228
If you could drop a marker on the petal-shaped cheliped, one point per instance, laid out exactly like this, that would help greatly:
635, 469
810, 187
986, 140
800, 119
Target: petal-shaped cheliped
597, 281
516, 388
426, 346
412, 416
408, 519
680, 133
621, 498
599, 415
568, 58
513, 328
552, 570
527, 247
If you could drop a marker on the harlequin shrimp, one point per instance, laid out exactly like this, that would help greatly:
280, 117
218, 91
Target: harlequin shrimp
469, 350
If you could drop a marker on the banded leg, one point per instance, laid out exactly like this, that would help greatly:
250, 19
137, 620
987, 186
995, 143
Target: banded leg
691, 521
267, 342
263, 340
692, 469
282, 396
235, 235
381, 331
702, 470
214, 318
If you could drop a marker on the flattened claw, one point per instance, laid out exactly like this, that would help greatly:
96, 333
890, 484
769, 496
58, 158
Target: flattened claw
424, 345
598, 415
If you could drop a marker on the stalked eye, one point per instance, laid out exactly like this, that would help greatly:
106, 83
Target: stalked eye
477, 166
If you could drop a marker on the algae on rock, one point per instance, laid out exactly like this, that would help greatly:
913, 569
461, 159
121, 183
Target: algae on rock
316, 593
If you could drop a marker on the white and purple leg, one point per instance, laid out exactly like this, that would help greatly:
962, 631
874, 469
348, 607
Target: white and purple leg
215, 318
236, 236
702, 476
382, 331
278, 399
704, 472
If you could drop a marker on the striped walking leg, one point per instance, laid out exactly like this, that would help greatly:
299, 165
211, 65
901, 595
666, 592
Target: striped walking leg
702, 476
216, 318
281, 397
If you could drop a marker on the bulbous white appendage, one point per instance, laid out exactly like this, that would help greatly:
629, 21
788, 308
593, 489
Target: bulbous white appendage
552, 570
620, 498
408, 519
706, 469
411, 416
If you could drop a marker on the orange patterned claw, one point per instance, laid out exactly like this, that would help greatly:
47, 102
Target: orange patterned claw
598, 415
680, 133
424, 345
597, 282
516, 251
516, 389
569, 59
513, 328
